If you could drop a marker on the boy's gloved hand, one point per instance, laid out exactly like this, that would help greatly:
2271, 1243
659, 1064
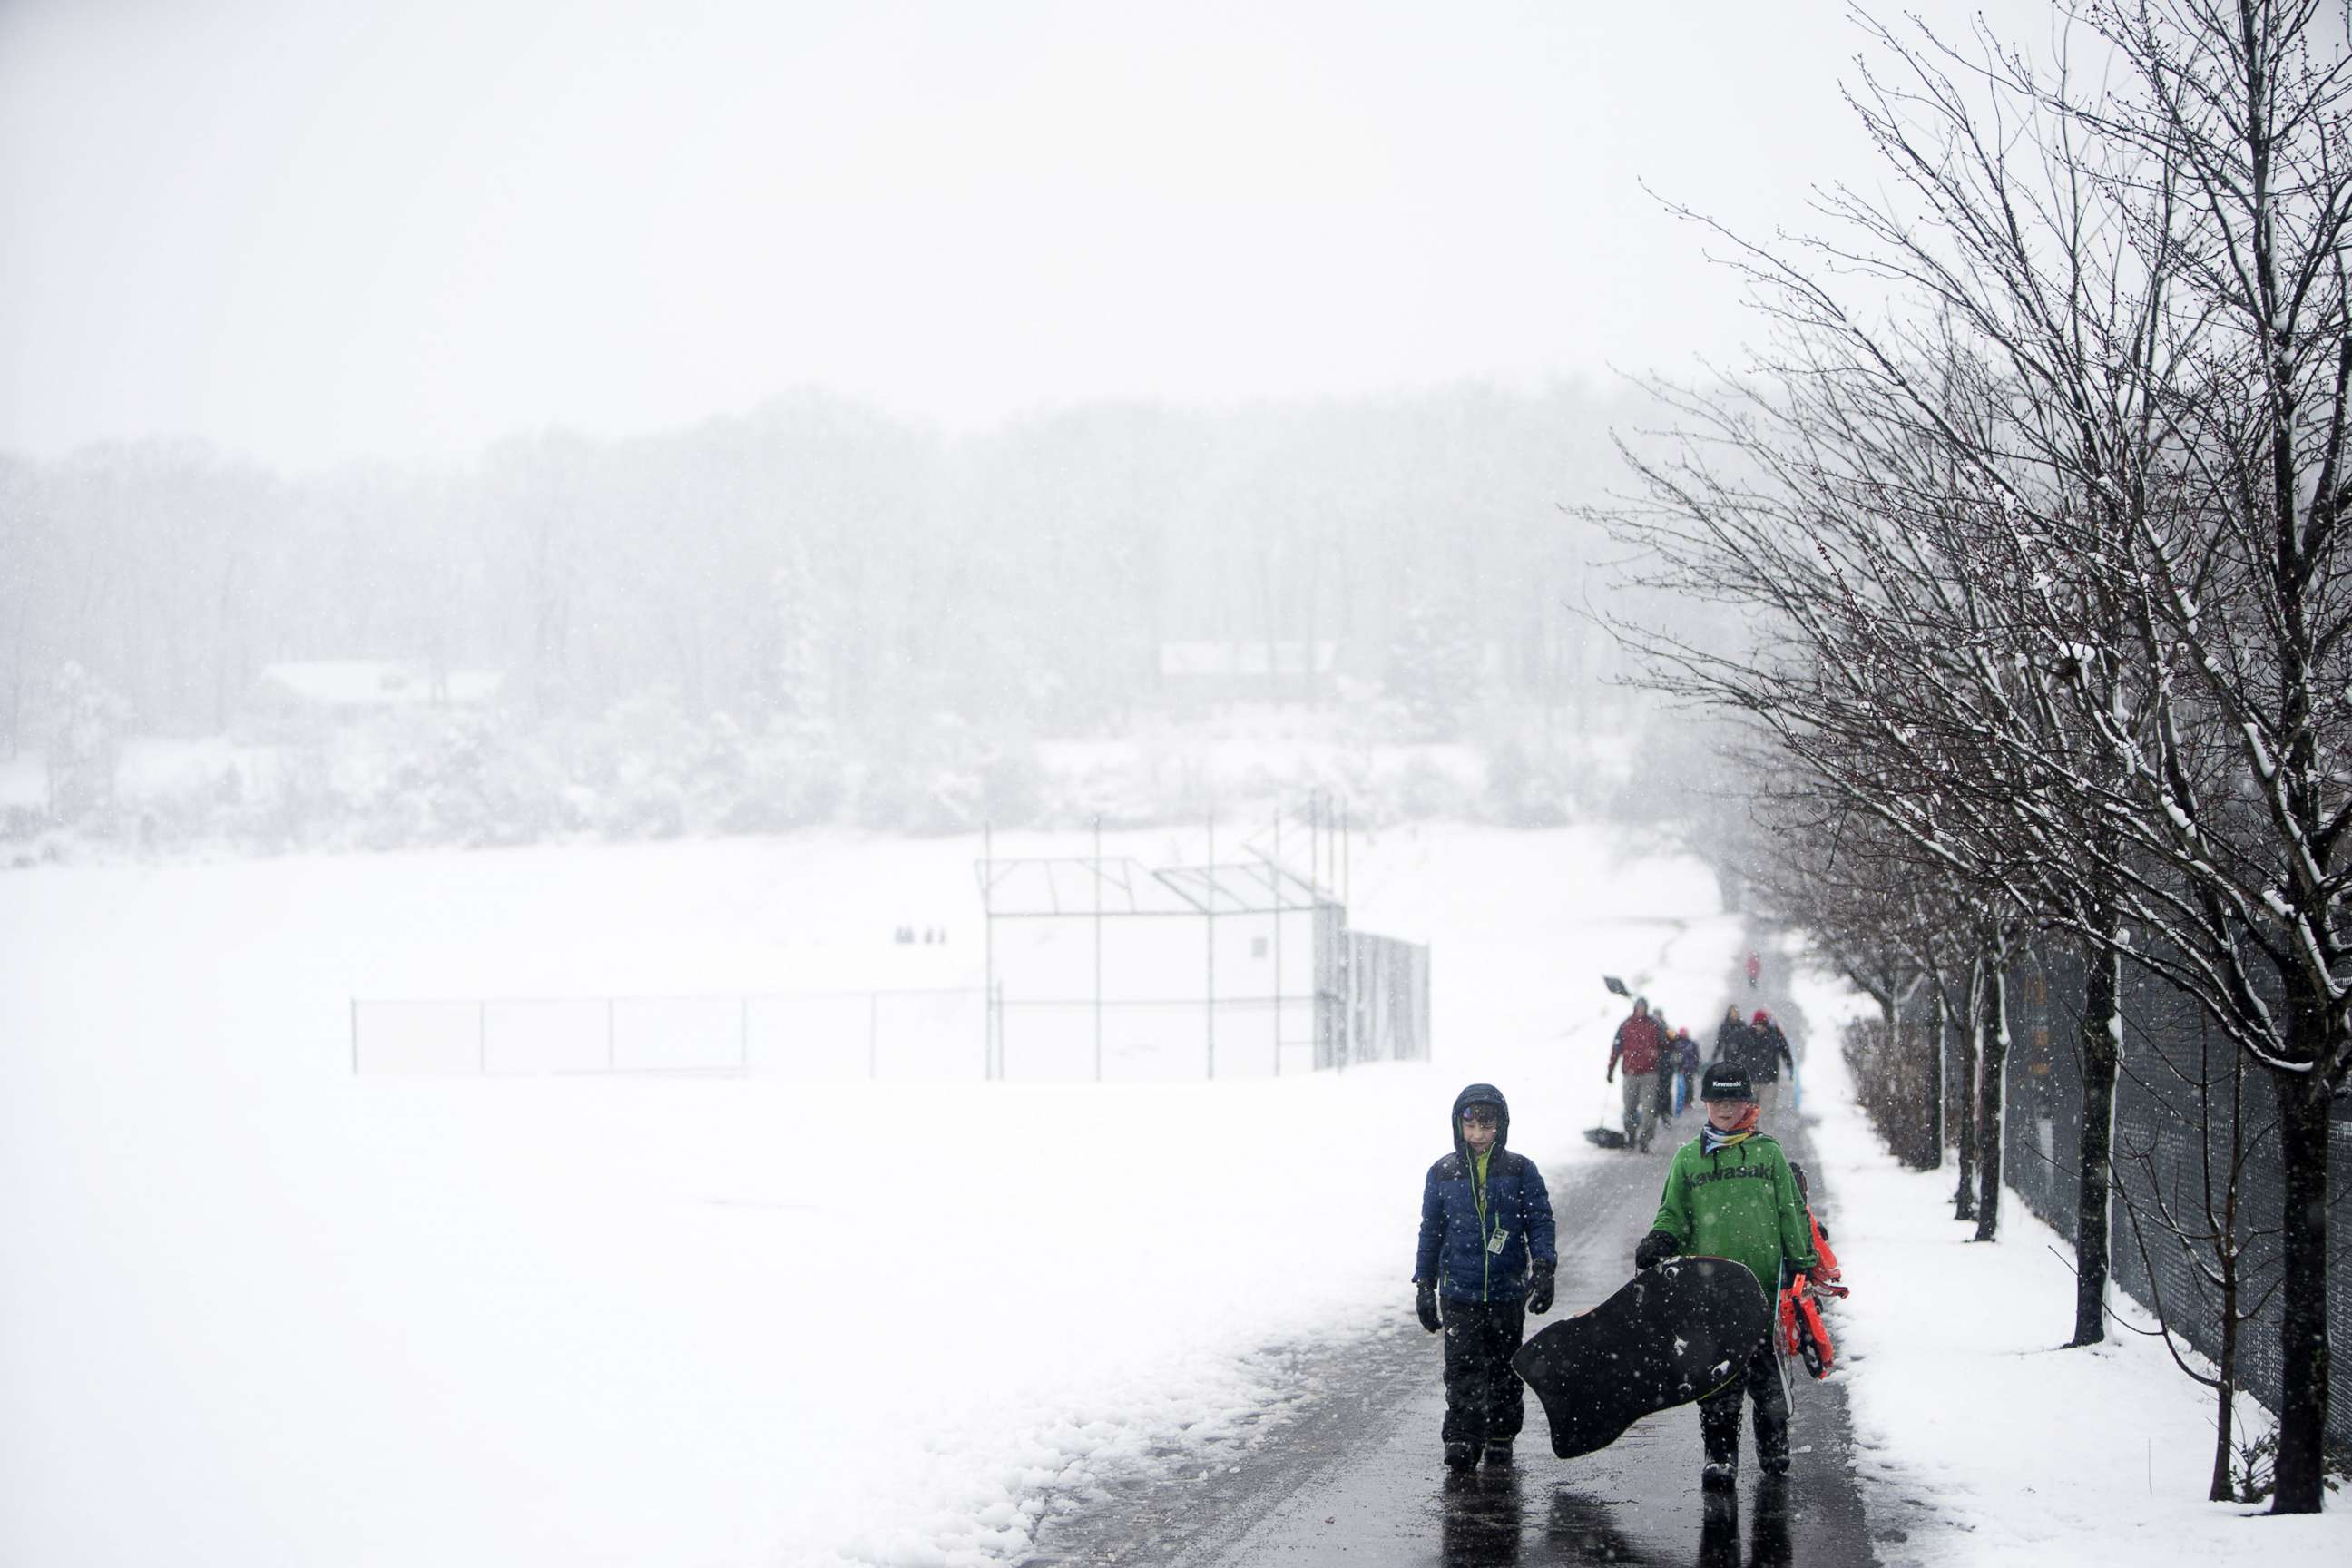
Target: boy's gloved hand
1539, 1288
1424, 1307
1656, 1249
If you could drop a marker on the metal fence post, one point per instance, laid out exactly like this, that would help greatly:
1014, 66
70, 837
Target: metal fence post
1277, 880
1098, 935
992, 1022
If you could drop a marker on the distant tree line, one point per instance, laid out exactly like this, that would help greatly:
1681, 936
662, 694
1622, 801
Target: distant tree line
2036, 505
817, 560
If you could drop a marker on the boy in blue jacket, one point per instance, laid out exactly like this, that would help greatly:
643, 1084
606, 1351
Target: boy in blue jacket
1486, 1248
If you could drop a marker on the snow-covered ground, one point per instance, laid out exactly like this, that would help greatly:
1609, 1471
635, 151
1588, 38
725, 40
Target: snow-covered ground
258, 1310
1974, 1429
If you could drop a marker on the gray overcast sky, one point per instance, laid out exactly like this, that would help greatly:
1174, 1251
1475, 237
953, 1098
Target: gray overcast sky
313, 229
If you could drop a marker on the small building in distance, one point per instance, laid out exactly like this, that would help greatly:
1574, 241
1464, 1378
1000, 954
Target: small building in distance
1199, 673
302, 698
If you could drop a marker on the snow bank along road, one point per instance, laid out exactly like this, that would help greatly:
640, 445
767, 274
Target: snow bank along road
1353, 1476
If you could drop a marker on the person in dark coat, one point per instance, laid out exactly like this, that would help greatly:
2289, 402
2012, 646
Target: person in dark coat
1680, 1069
1731, 1036
1768, 1053
1668, 1060
1487, 1252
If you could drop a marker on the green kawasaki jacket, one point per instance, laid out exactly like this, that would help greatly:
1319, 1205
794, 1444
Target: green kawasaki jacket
1741, 1202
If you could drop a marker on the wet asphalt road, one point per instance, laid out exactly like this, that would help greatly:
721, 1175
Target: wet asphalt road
1355, 1475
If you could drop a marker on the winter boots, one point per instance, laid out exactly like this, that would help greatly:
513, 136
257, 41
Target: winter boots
1723, 1454
1463, 1455
1721, 1470
1718, 1421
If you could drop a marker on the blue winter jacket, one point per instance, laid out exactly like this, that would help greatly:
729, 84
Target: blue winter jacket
1457, 1252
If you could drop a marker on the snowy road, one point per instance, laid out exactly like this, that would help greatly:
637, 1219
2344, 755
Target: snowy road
1355, 1475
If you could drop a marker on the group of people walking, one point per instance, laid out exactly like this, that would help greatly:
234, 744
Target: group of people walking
1488, 1247
1759, 1044
1661, 1066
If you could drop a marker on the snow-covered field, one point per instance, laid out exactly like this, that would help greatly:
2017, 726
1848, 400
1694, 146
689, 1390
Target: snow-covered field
257, 1310
1974, 1428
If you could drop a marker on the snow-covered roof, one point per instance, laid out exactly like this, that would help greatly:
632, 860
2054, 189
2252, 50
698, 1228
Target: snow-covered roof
1069, 886
1120, 885
1246, 658
378, 683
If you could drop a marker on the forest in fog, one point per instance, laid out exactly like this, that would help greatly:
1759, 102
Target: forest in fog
850, 602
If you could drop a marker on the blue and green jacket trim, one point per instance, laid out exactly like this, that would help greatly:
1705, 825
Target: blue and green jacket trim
1462, 1207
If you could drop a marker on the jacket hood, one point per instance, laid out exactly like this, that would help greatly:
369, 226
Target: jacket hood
1477, 1094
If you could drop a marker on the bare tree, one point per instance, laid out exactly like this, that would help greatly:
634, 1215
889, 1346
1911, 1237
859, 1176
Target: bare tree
2075, 614
2206, 1226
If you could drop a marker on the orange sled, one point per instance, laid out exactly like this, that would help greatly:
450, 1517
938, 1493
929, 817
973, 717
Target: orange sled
1802, 1334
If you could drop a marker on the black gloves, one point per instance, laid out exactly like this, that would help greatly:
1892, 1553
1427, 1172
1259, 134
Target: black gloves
1424, 1307
1654, 1249
1539, 1288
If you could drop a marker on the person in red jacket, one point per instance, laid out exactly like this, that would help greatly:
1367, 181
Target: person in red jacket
1639, 1047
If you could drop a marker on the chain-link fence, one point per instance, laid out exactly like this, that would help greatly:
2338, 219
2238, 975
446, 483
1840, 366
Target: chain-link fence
1349, 998
1108, 970
934, 1033
2188, 1112
1387, 991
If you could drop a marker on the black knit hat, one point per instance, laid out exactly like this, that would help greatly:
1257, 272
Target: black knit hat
1726, 1080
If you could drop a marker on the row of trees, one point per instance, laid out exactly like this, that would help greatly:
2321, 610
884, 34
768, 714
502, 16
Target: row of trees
818, 560
647, 768
2034, 506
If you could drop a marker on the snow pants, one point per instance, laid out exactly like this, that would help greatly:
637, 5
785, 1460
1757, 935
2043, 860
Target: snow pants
1641, 1107
1485, 1400
1767, 1095
1718, 1413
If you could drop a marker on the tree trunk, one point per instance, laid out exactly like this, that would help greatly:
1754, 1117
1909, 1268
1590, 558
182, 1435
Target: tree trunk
2226, 1398
1964, 1199
17, 678
1992, 1055
1269, 608
2102, 1050
223, 639
1933, 1044
2228, 1255
2303, 1361
1910, 1146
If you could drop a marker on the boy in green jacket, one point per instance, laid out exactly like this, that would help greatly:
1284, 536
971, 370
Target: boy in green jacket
1731, 1193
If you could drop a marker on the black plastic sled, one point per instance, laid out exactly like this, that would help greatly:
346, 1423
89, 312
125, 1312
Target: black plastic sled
1672, 1334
